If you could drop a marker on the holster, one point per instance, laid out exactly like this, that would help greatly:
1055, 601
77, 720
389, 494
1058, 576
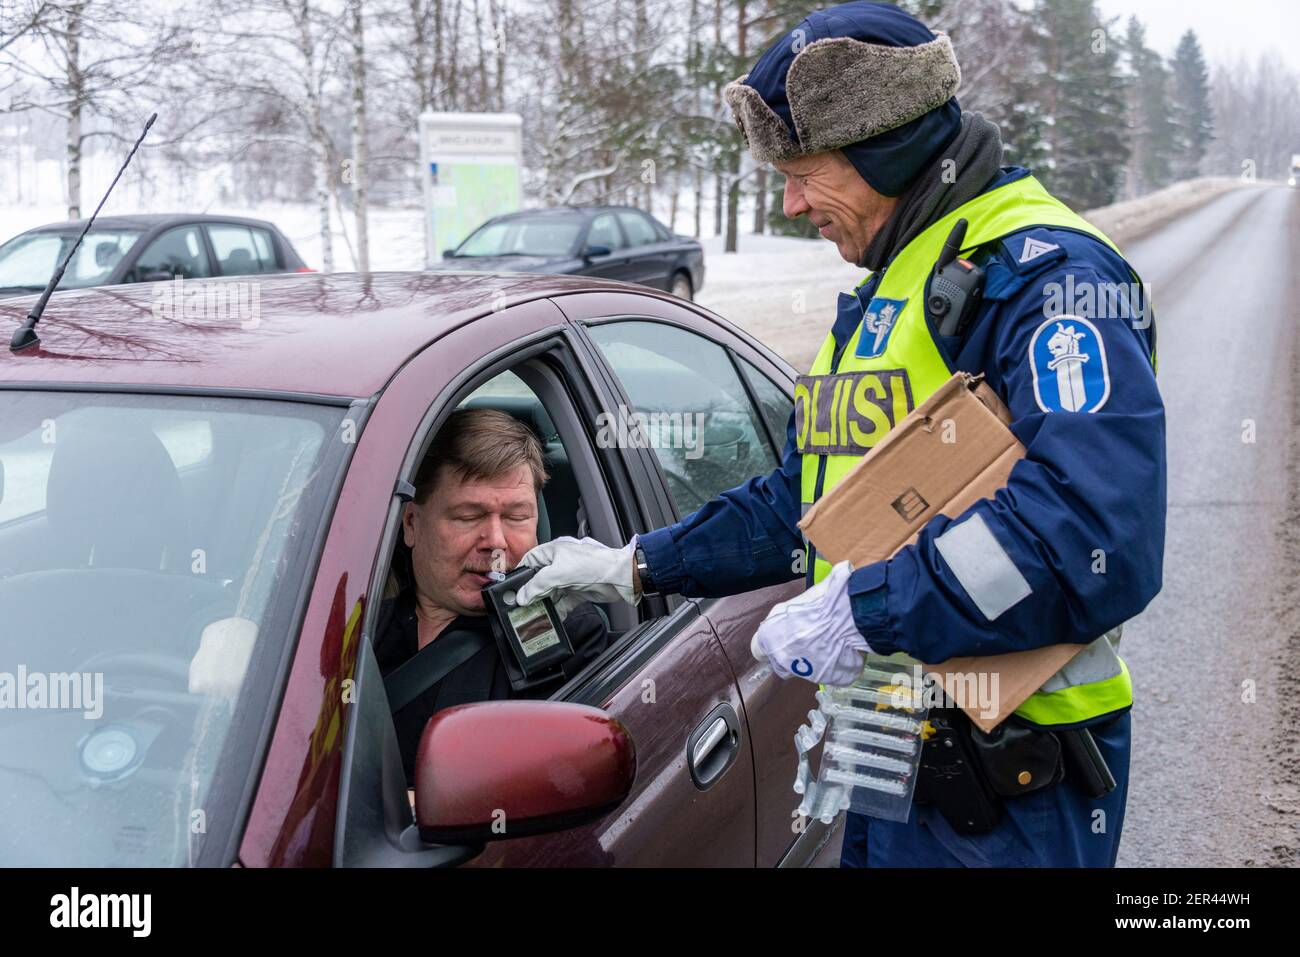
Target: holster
965, 773
950, 777
1018, 759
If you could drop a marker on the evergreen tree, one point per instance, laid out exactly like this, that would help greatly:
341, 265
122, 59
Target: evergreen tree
1190, 113
1151, 129
1023, 123
1081, 97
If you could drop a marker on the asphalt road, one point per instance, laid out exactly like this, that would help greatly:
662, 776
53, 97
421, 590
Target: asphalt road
1215, 776
1215, 658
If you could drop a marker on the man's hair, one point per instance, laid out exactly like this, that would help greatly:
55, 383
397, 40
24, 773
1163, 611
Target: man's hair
480, 444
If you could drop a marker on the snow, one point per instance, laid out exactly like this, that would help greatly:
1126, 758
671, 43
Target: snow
781, 289
1131, 219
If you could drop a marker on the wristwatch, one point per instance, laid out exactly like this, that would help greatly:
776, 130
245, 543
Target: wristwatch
643, 572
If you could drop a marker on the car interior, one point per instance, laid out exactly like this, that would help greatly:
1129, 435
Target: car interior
182, 525
107, 255
239, 263
178, 252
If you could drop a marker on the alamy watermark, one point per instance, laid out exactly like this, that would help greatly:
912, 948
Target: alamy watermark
53, 691
655, 430
196, 300
1098, 300
968, 690
74, 909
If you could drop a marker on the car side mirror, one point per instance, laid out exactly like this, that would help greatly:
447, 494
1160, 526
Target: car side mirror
593, 251
497, 770
449, 254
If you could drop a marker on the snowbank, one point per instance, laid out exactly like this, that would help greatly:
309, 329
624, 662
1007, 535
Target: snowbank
1129, 220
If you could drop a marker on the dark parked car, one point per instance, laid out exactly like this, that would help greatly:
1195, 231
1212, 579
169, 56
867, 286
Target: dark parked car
145, 248
178, 497
611, 242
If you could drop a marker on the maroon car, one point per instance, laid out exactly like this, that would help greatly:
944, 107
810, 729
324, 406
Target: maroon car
199, 521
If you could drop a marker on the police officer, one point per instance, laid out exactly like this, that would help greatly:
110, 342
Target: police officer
856, 107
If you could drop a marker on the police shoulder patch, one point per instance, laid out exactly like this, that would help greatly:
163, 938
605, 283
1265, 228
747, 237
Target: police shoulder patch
1068, 359
878, 321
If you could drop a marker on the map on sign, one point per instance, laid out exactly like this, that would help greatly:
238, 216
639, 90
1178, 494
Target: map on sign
468, 192
471, 167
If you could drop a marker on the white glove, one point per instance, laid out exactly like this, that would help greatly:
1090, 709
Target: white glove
813, 635
574, 571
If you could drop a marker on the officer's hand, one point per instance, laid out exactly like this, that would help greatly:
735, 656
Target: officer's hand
577, 570
813, 635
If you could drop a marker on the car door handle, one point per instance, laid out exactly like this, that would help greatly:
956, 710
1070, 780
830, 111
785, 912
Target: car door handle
713, 745
710, 740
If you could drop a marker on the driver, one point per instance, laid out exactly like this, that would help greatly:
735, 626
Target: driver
476, 494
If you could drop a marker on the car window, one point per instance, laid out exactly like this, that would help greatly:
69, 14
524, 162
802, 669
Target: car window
549, 236
28, 261
177, 252
638, 229
693, 408
774, 404
604, 232
661, 231
188, 443
242, 250
150, 549
439, 557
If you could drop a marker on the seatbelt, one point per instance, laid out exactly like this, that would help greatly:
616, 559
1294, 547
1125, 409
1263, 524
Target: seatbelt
431, 664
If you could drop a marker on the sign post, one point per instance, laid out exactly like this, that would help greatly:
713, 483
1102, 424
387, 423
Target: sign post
469, 167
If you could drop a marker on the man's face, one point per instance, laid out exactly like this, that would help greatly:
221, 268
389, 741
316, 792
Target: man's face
836, 199
453, 534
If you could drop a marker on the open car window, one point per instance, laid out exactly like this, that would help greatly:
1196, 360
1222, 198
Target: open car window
563, 505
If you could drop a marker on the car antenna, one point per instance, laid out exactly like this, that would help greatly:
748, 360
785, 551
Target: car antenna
25, 337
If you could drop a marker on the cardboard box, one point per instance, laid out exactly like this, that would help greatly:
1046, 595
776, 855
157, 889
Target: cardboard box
951, 451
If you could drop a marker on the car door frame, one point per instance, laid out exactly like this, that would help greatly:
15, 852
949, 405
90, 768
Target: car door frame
816, 842
294, 801
385, 837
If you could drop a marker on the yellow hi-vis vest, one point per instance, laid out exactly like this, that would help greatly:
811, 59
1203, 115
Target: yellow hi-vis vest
846, 403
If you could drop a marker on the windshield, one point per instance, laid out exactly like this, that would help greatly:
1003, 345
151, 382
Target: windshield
548, 236
28, 261
152, 549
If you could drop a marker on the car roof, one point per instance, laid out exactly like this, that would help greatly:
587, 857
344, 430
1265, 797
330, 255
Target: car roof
585, 211
338, 334
148, 221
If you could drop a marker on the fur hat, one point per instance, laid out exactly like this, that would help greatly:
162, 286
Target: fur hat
843, 76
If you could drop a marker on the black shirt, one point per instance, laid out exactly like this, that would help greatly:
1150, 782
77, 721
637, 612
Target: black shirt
482, 677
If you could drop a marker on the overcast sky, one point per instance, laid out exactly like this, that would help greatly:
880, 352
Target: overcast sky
1224, 28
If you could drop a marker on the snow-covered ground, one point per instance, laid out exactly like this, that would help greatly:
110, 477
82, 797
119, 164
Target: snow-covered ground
780, 289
